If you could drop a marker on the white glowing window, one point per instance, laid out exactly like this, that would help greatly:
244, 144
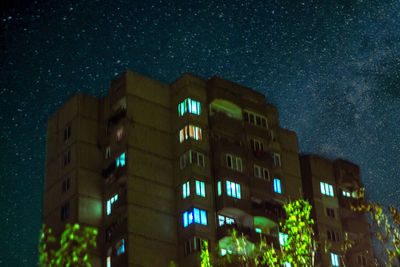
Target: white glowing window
200, 188
189, 105
282, 238
335, 259
233, 189
219, 188
326, 189
186, 190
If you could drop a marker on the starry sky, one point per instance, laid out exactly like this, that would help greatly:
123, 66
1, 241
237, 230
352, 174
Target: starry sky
332, 68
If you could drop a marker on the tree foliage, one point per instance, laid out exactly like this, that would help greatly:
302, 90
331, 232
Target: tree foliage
74, 249
299, 249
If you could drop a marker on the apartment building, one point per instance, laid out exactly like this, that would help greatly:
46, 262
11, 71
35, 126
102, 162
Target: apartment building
160, 169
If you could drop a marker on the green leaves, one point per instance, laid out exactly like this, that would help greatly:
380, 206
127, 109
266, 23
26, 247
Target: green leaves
75, 246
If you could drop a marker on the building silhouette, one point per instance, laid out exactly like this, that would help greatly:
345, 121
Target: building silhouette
159, 169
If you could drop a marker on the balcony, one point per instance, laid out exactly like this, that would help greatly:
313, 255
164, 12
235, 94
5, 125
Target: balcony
222, 122
268, 209
236, 206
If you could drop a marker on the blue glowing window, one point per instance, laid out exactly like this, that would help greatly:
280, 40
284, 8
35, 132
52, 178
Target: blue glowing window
121, 248
334, 259
282, 238
110, 203
186, 190
200, 188
194, 216
219, 188
189, 105
233, 190
120, 161
277, 186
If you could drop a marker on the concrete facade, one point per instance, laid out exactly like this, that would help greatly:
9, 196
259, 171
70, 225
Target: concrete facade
158, 180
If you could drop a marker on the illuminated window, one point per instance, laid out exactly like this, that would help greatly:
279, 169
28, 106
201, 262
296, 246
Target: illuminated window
225, 251
120, 134
334, 259
186, 190
255, 119
110, 203
277, 160
326, 189
200, 188
277, 186
256, 145
120, 161
225, 220
234, 162
233, 189
261, 172
287, 264
346, 193
194, 216
120, 247
189, 105
282, 239
108, 261
219, 188
192, 157
190, 131
258, 230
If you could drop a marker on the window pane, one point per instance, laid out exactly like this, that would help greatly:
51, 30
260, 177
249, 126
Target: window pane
239, 164
219, 188
251, 118
187, 189
190, 105
198, 108
246, 116
322, 187
181, 136
238, 191
331, 190
203, 189
196, 215
185, 219
221, 220
258, 120
184, 190
233, 189
200, 136
190, 217
191, 131
229, 160
203, 217
201, 160
228, 188
264, 123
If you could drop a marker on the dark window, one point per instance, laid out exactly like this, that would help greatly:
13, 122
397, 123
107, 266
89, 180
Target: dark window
251, 118
329, 235
330, 212
65, 211
67, 133
264, 122
246, 117
67, 158
65, 185
201, 160
258, 119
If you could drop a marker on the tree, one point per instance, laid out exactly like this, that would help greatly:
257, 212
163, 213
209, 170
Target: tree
299, 248
75, 246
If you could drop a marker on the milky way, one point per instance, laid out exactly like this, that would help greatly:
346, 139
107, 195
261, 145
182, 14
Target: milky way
332, 70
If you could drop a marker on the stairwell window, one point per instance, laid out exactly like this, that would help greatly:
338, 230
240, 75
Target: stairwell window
189, 105
277, 186
326, 189
233, 190
200, 188
186, 190
190, 131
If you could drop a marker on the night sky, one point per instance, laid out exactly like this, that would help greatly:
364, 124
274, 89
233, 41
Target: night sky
332, 68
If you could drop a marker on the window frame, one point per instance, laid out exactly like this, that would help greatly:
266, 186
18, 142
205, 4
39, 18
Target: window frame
277, 185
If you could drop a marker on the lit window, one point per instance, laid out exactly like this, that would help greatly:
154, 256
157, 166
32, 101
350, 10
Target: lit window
233, 189
121, 247
120, 134
261, 172
219, 188
200, 188
186, 190
110, 203
189, 105
194, 216
190, 131
225, 220
108, 261
120, 161
346, 193
287, 264
277, 160
234, 162
277, 186
224, 251
282, 238
258, 230
334, 259
326, 189
256, 145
